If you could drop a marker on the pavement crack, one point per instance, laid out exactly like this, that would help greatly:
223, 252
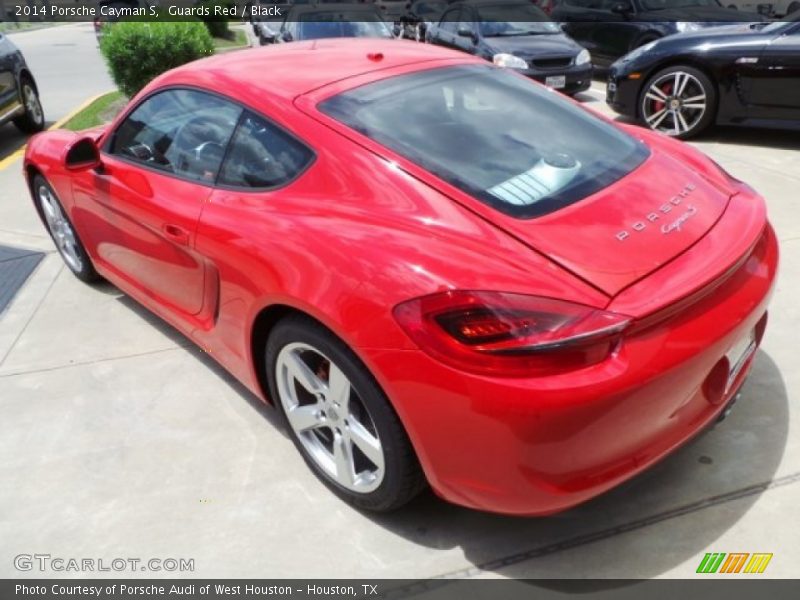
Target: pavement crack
93, 362
603, 534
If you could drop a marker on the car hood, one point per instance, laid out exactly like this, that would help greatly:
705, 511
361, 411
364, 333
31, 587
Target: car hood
715, 36
528, 46
700, 14
633, 227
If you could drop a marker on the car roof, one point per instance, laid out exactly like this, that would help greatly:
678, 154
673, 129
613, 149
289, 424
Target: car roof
285, 71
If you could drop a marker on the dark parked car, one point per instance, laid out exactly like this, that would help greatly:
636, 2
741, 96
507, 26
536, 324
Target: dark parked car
518, 35
330, 20
420, 16
19, 96
612, 28
682, 84
267, 27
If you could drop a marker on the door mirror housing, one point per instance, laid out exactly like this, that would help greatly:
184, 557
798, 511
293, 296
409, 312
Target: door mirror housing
467, 33
82, 155
622, 8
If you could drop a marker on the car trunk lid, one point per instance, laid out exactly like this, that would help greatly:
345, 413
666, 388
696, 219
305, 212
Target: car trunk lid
630, 229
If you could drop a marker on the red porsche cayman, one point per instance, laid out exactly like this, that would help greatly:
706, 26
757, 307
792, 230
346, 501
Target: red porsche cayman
440, 272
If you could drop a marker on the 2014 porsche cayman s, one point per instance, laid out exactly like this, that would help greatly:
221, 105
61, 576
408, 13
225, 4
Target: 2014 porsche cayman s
440, 272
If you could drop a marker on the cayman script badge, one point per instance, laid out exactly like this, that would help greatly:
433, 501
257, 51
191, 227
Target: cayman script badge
665, 209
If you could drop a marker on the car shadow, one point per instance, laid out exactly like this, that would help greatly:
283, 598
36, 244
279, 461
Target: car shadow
777, 136
728, 466
780, 136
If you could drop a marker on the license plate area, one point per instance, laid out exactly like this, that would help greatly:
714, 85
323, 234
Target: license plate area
556, 81
738, 356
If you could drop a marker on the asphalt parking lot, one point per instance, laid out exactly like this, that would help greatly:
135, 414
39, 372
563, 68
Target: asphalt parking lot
119, 438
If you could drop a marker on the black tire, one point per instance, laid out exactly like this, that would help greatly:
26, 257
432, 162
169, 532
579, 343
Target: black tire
403, 478
85, 271
32, 121
695, 122
793, 8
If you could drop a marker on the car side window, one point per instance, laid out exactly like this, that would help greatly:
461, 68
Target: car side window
262, 156
182, 132
450, 20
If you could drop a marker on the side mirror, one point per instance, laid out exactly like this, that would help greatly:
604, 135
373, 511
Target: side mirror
466, 32
622, 8
82, 155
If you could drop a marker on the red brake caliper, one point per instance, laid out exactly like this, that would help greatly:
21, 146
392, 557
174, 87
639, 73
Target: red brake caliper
658, 104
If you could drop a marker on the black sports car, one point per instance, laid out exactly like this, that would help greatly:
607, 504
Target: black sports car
683, 83
612, 28
518, 35
19, 96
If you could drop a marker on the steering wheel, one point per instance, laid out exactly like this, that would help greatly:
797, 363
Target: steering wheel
191, 140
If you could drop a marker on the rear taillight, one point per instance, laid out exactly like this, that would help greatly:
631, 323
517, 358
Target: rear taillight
512, 335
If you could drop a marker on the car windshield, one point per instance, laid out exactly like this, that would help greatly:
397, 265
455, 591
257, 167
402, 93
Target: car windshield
329, 24
665, 4
503, 20
786, 22
494, 134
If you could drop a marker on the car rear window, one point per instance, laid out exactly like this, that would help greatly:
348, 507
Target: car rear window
509, 142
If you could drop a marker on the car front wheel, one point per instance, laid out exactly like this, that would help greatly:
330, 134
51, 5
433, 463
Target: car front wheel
33, 119
63, 233
339, 418
679, 101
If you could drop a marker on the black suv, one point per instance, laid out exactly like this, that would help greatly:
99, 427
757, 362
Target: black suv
19, 96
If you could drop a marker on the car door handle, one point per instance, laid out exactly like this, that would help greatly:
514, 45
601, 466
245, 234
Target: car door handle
177, 234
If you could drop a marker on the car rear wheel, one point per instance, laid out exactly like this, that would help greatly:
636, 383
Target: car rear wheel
63, 233
339, 418
33, 119
678, 101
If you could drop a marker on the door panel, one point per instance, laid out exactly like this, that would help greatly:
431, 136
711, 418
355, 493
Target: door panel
141, 225
138, 213
9, 97
775, 84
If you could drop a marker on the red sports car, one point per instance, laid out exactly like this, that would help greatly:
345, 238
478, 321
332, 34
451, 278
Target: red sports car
439, 271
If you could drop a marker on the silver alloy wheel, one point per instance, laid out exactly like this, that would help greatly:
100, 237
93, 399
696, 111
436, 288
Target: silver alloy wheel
674, 103
32, 105
328, 417
60, 228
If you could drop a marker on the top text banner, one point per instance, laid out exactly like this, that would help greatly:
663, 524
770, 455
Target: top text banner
748, 13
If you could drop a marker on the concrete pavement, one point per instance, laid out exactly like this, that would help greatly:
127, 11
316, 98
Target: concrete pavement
121, 439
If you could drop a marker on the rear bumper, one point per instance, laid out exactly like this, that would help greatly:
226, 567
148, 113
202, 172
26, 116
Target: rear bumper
541, 445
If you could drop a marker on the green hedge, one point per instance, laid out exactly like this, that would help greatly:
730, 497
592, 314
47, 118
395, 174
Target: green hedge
137, 52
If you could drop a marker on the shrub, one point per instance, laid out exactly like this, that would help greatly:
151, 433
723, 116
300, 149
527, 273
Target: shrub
137, 52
